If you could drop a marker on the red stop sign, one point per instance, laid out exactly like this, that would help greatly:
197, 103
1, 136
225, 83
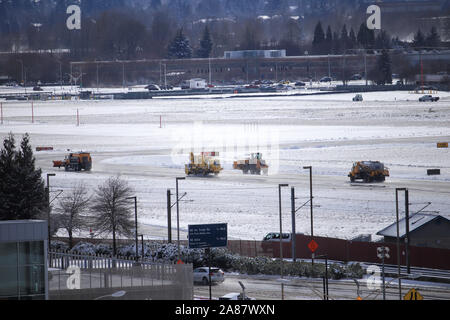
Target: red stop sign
312, 245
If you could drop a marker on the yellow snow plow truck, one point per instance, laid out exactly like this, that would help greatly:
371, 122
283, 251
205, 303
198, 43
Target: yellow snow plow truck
203, 164
368, 171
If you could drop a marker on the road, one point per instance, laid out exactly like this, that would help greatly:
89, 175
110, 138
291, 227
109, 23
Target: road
269, 288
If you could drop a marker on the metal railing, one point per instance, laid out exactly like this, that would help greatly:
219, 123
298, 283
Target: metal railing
76, 276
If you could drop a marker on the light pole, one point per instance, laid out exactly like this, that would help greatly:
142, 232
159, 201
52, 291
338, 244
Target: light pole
136, 225
311, 207
281, 237
48, 206
178, 214
398, 240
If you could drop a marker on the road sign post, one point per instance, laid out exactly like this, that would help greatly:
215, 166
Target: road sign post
382, 253
207, 236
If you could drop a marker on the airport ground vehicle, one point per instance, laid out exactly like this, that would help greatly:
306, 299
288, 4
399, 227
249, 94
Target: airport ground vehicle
201, 275
203, 164
428, 97
368, 171
255, 164
75, 162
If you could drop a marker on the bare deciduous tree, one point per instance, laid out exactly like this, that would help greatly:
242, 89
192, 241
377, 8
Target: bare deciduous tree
113, 213
71, 208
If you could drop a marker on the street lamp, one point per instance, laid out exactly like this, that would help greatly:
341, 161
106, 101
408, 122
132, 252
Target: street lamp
281, 236
136, 225
48, 206
311, 207
178, 214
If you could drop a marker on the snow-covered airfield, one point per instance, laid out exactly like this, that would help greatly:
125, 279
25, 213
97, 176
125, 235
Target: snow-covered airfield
328, 132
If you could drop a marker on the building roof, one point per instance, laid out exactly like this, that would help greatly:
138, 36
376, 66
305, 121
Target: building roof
23, 230
416, 221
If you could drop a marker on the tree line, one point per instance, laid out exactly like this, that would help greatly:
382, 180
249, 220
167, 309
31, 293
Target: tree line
333, 42
24, 196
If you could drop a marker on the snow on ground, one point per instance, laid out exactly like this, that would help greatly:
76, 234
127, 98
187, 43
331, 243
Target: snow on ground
329, 132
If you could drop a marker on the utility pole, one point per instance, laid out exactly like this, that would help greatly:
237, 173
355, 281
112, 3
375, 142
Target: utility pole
398, 242
209, 66
329, 66
365, 66
123, 75
408, 263
178, 214
294, 258
169, 217
311, 207
48, 207
136, 226
281, 238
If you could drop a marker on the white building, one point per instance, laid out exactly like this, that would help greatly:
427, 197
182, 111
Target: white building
255, 54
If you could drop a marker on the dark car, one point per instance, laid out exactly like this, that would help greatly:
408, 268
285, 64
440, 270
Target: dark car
300, 84
152, 87
37, 88
326, 79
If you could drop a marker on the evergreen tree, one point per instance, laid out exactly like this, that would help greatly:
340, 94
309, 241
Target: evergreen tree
433, 39
329, 40
22, 190
336, 43
352, 39
365, 37
319, 39
419, 39
382, 73
179, 48
206, 45
344, 38
383, 40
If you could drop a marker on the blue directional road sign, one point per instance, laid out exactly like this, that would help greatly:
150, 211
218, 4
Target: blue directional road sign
207, 235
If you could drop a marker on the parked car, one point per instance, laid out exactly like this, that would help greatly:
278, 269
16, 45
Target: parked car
428, 97
358, 97
300, 84
201, 275
168, 87
152, 87
37, 88
326, 79
275, 236
356, 77
235, 296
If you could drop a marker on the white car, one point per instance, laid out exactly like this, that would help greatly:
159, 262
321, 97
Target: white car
201, 275
235, 296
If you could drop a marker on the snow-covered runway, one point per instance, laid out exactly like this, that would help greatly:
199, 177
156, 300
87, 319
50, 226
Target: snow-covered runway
329, 132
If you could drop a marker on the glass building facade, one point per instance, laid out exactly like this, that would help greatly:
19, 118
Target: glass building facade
23, 261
